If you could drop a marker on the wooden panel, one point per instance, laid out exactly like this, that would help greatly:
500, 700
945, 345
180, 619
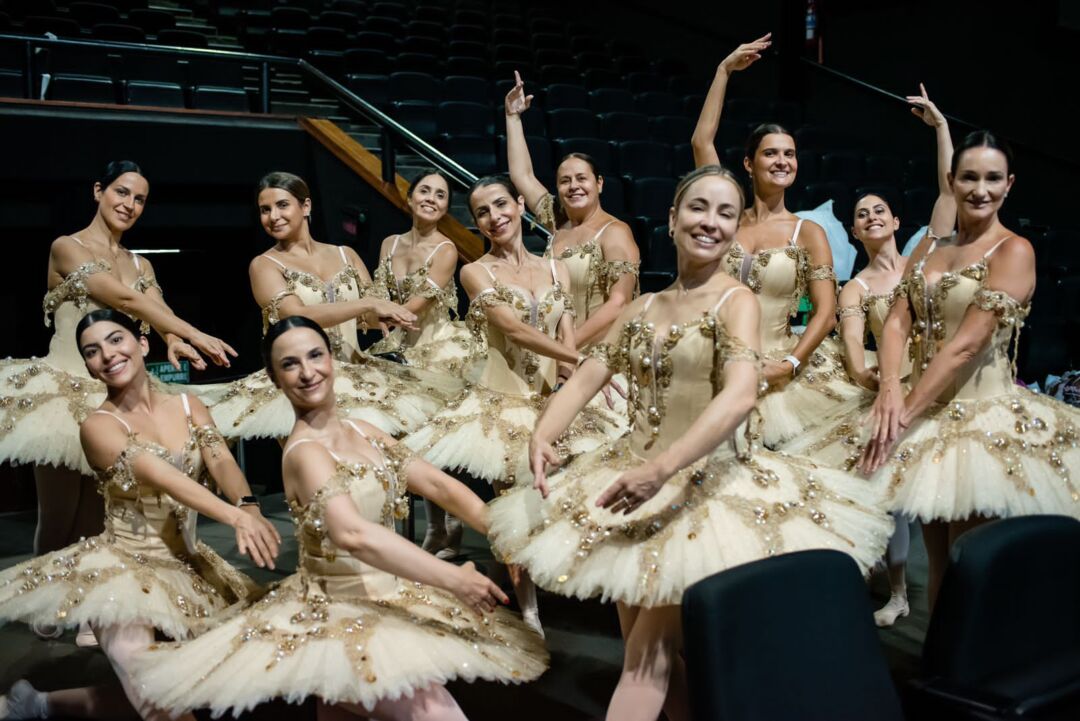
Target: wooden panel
369, 167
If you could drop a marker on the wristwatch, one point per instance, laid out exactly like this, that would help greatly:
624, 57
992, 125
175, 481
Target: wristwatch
248, 501
794, 363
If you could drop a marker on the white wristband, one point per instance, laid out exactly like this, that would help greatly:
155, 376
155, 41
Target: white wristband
794, 363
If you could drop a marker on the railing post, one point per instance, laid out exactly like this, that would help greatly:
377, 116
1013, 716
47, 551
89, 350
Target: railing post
264, 87
386, 152
28, 76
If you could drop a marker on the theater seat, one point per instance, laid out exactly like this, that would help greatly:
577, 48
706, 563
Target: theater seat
750, 657
82, 89
218, 98
155, 94
1004, 639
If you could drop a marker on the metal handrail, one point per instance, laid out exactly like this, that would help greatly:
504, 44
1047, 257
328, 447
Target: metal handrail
392, 131
953, 120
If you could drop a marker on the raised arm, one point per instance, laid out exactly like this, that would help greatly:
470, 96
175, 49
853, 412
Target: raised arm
517, 151
65, 258
943, 217
620, 251
307, 469
703, 140
740, 316
104, 439
853, 333
477, 286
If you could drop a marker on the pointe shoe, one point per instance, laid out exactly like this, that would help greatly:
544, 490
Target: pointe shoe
531, 617
85, 638
23, 701
46, 631
452, 545
896, 607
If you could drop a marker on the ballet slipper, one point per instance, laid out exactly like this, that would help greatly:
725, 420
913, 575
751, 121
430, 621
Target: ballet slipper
85, 638
531, 618
452, 544
23, 701
896, 607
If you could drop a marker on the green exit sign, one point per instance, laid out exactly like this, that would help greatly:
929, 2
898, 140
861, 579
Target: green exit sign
166, 373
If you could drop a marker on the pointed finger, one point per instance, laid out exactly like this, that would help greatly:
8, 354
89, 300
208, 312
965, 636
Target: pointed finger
517, 78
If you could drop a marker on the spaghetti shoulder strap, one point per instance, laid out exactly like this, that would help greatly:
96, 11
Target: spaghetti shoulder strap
138, 265
725, 296
77, 240
121, 420
602, 229
393, 246
554, 275
484, 266
795, 235
294, 444
357, 429
648, 302
862, 282
187, 405
274, 260
436, 250
341, 252
997, 245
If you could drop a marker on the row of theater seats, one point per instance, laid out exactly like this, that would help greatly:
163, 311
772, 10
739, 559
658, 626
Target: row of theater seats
88, 75
442, 70
119, 21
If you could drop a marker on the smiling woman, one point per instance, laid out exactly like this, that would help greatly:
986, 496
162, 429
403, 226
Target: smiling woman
782, 259
331, 286
597, 249
966, 444
43, 400
686, 493
154, 455
521, 308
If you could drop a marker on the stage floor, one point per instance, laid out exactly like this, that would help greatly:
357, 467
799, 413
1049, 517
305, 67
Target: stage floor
586, 651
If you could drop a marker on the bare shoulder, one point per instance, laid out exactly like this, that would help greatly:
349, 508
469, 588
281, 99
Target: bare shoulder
386, 245
811, 233
1015, 249
103, 439
619, 239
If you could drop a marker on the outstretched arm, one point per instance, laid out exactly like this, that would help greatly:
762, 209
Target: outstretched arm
66, 256
475, 281
703, 140
271, 292
307, 469
716, 423
104, 439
